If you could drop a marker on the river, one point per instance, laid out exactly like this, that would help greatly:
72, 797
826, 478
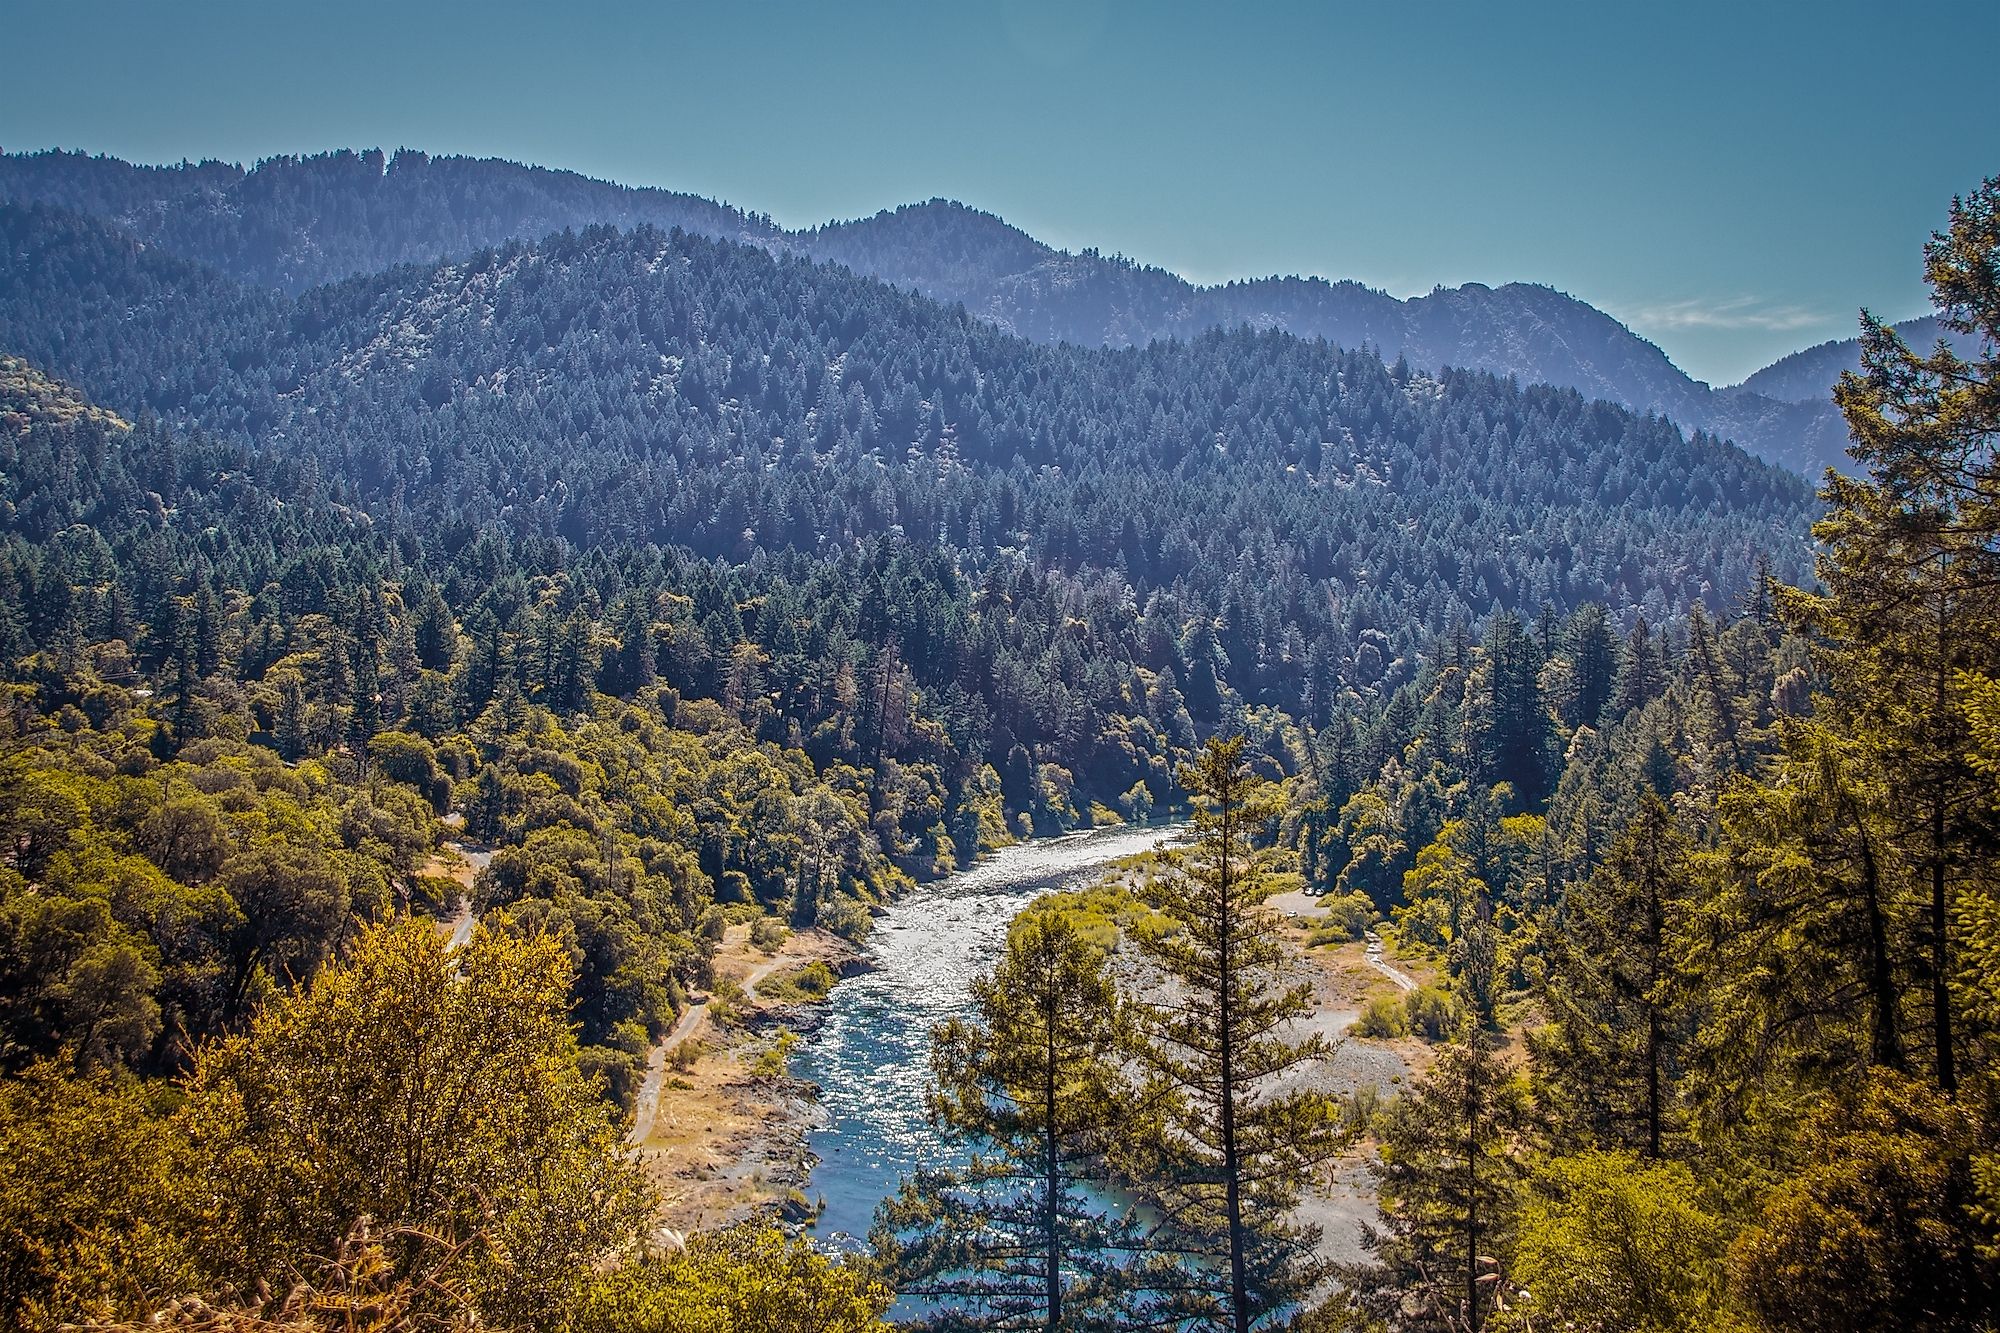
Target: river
871, 1055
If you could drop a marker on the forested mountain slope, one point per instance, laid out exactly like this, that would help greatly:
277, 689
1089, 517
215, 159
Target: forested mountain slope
1809, 376
994, 580
614, 386
294, 223
1533, 333
267, 702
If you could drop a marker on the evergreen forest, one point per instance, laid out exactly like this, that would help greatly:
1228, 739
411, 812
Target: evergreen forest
703, 582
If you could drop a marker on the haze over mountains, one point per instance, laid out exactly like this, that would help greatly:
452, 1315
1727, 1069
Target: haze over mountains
296, 223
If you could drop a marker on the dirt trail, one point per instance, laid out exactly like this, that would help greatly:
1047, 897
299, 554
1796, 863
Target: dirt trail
1378, 961
1350, 975
1302, 906
691, 1019
456, 861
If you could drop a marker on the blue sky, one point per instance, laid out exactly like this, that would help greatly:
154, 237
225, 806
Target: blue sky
1732, 180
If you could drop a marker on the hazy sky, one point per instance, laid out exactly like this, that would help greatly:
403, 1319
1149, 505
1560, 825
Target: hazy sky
1733, 180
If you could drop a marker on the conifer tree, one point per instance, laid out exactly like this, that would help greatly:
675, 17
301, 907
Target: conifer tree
1014, 1238
1726, 715
1910, 612
1618, 993
1508, 726
1813, 933
436, 637
205, 623
1641, 673
292, 731
1448, 1177
1236, 1140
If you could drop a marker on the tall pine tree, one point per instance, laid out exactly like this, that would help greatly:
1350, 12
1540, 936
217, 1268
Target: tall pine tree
1020, 1236
1237, 1137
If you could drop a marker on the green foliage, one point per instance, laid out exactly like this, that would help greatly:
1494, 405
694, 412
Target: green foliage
87, 1168
1871, 1231
748, 1279
770, 1062
151, 903
805, 985
1441, 894
1100, 915
1371, 849
1384, 1017
423, 1089
1621, 982
1364, 1107
1432, 1014
767, 934
1610, 1243
1348, 916
1807, 916
408, 759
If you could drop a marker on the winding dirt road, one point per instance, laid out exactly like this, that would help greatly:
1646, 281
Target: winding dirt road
691, 1019
462, 924
1378, 961
469, 862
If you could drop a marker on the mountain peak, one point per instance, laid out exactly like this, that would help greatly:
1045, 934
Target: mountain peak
298, 221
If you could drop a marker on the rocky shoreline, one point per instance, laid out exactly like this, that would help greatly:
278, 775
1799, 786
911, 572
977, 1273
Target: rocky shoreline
728, 1142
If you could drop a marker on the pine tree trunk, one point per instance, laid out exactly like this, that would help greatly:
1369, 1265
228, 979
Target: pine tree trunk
1053, 1219
1885, 1046
1656, 927
1239, 1295
1947, 1072
1472, 1065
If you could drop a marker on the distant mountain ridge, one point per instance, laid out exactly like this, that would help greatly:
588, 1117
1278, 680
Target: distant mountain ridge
609, 386
1534, 333
295, 223
1810, 374
299, 222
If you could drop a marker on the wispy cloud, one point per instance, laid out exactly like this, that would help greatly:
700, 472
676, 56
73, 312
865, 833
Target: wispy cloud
1738, 312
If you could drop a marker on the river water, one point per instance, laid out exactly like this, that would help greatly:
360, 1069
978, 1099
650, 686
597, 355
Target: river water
871, 1055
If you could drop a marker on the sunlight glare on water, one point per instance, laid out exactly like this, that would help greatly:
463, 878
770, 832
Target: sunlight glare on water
871, 1057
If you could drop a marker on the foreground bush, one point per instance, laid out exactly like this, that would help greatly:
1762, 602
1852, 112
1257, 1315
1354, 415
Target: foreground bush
434, 1093
411, 1131
748, 1279
85, 1169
